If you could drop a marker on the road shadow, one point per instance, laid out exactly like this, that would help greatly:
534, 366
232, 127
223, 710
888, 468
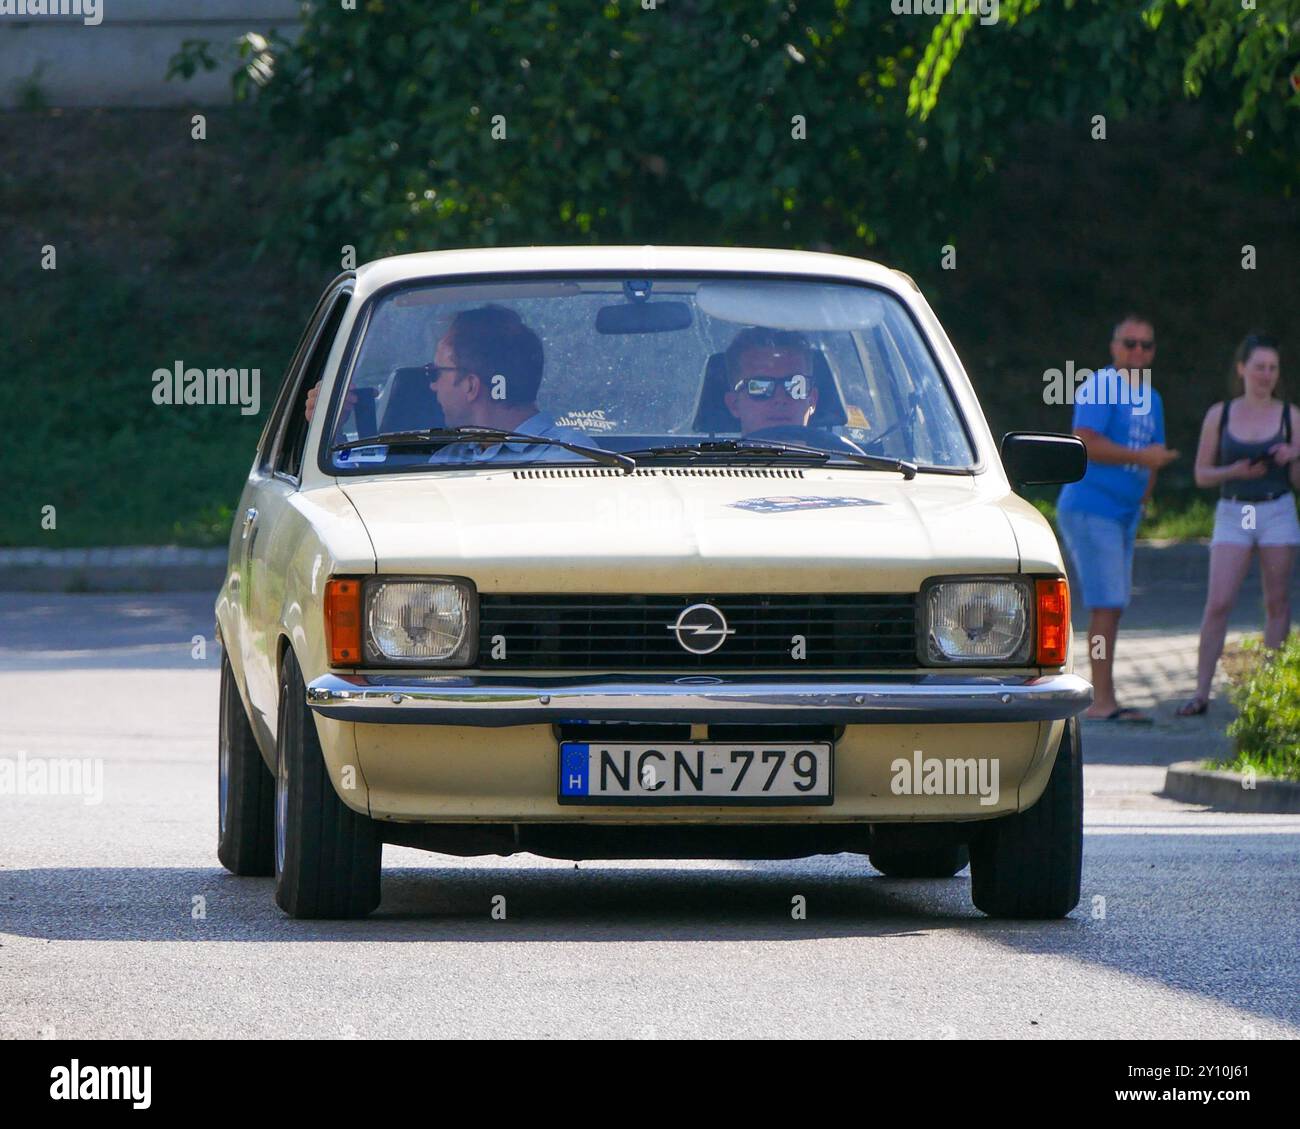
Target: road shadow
549, 903
47, 631
1148, 909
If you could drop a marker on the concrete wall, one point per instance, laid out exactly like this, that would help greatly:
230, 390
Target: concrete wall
122, 60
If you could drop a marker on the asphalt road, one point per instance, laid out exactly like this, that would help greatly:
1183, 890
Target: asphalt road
116, 920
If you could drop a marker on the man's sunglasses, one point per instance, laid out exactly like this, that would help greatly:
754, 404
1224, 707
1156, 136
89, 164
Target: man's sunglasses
436, 371
764, 387
1135, 342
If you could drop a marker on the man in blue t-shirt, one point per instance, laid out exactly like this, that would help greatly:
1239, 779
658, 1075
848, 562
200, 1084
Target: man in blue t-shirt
1121, 420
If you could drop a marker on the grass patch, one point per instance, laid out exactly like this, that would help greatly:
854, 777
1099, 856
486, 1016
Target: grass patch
1178, 518
155, 238
1265, 688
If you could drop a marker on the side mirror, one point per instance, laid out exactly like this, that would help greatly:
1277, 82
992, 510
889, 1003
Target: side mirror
1040, 458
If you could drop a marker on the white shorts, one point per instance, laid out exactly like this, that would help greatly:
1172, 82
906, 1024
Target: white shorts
1245, 523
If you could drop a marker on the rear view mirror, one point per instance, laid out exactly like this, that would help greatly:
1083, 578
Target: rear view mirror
1041, 458
643, 317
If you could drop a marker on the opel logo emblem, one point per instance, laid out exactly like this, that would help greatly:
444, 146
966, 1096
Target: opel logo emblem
701, 629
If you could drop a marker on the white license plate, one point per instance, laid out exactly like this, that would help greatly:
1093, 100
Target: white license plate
706, 773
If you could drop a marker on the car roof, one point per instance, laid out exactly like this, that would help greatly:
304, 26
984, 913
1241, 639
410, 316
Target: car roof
381, 273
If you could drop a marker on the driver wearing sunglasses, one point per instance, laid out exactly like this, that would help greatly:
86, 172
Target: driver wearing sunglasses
769, 379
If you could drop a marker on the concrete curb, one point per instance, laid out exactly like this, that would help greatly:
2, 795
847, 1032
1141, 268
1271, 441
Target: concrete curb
146, 568
1192, 783
1158, 562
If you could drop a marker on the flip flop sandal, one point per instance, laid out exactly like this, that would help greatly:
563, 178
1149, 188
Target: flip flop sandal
1194, 707
1126, 714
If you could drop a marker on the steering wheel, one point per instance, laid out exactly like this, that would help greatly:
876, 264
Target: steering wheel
817, 437
874, 445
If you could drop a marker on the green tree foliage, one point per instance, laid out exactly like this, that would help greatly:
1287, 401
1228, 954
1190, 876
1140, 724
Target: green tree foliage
801, 122
702, 121
1136, 56
1260, 43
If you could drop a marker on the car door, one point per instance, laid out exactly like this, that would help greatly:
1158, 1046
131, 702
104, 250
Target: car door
270, 524
236, 631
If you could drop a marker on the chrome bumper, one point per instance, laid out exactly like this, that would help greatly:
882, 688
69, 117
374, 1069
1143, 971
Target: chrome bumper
495, 700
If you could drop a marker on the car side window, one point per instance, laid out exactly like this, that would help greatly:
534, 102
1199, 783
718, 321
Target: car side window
288, 457
275, 421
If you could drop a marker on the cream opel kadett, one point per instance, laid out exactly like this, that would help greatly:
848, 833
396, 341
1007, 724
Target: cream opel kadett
644, 552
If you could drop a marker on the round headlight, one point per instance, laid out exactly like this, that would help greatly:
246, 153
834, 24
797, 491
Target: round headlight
420, 621
978, 621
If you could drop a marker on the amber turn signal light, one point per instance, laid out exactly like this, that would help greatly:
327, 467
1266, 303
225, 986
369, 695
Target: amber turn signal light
343, 622
1053, 621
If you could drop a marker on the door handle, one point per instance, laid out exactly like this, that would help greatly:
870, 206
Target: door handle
250, 516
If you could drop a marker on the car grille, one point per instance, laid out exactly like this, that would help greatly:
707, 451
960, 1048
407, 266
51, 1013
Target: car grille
634, 632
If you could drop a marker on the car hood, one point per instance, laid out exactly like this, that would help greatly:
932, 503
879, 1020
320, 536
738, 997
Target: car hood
684, 530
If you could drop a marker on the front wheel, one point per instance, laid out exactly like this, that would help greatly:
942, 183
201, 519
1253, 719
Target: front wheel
327, 857
1028, 865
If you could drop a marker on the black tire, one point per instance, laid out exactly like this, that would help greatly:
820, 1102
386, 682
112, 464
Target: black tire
934, 862
327, 857
245, 789
1029, 865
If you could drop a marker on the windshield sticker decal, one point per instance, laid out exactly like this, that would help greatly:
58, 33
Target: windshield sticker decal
591, 419
780, 505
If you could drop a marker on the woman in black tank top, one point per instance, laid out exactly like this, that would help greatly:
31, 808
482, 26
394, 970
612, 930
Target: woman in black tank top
1269, 479
1248, 450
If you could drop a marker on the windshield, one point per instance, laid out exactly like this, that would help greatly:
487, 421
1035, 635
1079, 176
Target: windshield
701, 369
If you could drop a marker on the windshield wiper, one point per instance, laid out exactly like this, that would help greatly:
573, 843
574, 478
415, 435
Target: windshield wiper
433, 436
774, 449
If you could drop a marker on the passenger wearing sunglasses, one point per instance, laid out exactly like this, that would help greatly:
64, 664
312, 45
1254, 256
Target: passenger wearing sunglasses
769, 380
1098, 516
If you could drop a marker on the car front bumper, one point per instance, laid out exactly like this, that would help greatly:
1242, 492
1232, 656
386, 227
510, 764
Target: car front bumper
948, 697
